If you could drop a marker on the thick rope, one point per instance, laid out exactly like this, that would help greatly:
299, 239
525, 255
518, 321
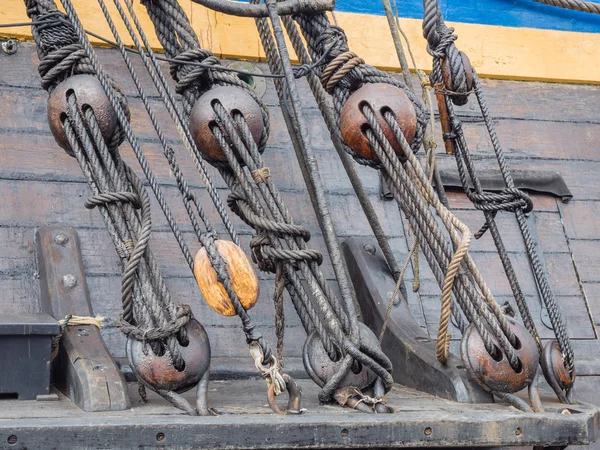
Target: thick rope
148, 311
574, 5
440, 40
317, 31
267, 251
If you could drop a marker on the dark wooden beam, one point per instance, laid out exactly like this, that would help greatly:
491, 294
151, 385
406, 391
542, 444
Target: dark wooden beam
84, 369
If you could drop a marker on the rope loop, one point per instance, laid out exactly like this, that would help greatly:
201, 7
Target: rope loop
113, 197
182, 315
257, 243
509, 200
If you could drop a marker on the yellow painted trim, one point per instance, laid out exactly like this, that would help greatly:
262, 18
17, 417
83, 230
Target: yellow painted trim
498, 52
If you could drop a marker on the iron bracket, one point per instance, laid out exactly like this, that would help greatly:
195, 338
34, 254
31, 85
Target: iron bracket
411, 350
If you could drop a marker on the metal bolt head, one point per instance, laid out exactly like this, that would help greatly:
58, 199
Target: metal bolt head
61, 239
370, 249
10, 46
69, 280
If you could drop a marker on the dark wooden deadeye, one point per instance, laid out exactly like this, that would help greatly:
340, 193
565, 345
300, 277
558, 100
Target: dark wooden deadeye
364, 363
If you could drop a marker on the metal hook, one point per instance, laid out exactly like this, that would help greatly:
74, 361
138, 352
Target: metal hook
556, 373
294, 400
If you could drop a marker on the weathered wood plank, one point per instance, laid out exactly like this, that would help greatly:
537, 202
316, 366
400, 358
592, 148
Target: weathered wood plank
560, 268
592, 291
528, 139
43, 160
102, 260
540, 101
549, 226
586, 257
244, 420
582, 219
578, 320
33, 203
513, 99
20, 295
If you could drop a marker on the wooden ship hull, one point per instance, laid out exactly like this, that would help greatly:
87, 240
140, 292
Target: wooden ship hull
540, 75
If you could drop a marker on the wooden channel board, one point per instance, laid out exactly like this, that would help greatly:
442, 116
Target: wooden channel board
542, 126
245, 421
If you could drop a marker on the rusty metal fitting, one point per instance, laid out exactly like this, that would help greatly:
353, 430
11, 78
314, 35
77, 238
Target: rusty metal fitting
381, 97
158, 372
294, 399
458, 98
554, 369
496, 374
321, 368
203, 118
89, 94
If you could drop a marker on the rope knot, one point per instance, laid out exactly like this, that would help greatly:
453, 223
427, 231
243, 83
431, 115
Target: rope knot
446, 39
180, 318
55, 31
257, 244
509, 200
113, 197
61, 54
338, 68
450, 67
189, 76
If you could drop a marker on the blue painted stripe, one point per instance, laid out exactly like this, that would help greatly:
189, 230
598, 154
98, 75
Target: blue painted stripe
508, 13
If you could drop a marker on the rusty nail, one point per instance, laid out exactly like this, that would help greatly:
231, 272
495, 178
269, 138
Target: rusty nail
344, 433
9, 46
61, 239
428, 431
518, 432
160, 437
12, 439
69, 280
